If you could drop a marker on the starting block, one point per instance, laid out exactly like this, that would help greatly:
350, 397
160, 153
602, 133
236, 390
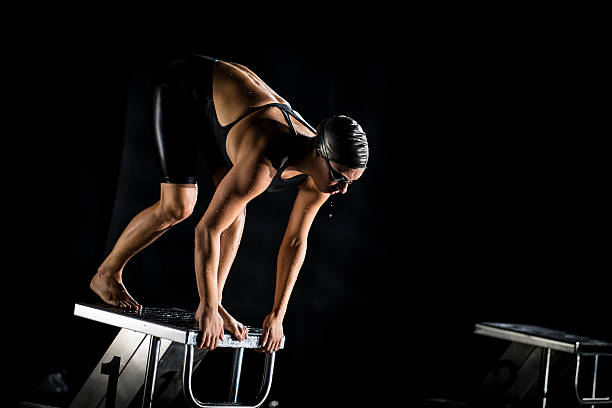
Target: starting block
156, 344
549, 340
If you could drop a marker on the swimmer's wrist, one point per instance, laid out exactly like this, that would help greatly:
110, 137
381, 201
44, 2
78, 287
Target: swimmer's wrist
209, 306
279, 312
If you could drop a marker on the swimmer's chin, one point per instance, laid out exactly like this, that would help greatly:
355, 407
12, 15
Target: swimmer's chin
329, 191
326, 190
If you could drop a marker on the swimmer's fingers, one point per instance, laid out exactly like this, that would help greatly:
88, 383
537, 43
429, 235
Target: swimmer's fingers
264, 337
221, 335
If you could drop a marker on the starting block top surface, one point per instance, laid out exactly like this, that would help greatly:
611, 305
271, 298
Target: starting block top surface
167, 323
543, 337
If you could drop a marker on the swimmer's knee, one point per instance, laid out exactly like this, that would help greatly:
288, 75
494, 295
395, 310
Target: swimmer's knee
177, 204
177, 212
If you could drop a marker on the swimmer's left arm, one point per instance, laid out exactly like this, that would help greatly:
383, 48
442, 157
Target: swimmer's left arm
290, 259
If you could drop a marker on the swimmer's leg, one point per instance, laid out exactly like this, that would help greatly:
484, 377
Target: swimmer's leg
176, 203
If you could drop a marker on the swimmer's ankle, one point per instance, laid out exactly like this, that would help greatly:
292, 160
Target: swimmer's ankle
107, 273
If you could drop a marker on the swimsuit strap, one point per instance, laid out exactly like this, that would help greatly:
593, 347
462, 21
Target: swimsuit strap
299, 117
286, 109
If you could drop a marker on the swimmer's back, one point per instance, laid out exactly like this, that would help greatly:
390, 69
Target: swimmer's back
236, 89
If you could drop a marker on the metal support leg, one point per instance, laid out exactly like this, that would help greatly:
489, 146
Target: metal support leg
193, 401
236, 371
546, 373
149, 385
593, 400
595, 378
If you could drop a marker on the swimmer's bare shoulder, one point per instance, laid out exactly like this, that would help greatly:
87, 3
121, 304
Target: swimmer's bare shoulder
308, 186
310, 196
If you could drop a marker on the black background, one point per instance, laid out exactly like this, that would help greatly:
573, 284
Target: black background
483, 201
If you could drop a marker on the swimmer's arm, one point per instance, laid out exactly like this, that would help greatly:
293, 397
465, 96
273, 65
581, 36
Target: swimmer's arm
293, 247
246, 180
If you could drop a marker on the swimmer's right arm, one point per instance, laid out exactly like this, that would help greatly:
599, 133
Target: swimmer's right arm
246, 180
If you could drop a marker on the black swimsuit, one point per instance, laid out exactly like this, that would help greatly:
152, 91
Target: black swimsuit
185, 122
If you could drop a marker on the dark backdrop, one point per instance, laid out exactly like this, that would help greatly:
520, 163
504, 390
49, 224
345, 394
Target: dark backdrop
472, 209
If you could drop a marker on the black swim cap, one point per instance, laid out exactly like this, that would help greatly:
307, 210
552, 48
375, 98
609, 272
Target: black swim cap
341, 139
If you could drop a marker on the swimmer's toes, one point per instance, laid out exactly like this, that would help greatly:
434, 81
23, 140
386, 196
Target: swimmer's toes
125, 298
129, 303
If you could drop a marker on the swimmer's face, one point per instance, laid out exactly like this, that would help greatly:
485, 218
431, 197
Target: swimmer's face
334, 178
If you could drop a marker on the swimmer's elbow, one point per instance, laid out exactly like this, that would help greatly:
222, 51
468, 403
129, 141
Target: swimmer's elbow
206, 232
296, 242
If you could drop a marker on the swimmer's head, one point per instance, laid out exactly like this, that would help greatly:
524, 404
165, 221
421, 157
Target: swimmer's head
342, 140
342, 147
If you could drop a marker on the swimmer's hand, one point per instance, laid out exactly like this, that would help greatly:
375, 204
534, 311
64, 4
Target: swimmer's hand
272, 335
211, 326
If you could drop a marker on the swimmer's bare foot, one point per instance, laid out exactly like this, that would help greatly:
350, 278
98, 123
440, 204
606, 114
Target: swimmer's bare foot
112, 291
238, 330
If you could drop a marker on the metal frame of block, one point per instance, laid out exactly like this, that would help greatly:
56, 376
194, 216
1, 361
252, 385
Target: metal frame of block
165, 329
